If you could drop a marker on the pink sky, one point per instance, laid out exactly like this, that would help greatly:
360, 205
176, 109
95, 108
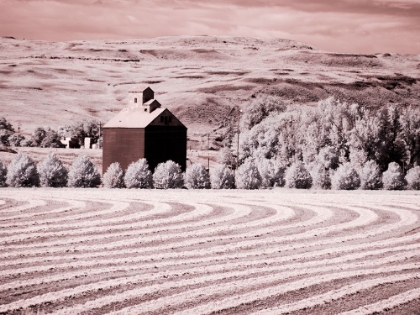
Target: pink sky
361, 26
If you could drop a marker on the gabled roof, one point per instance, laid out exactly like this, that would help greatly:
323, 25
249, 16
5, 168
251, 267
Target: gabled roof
133, 118
136, 117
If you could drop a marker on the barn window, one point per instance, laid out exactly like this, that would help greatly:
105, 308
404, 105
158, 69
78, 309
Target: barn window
170, 118
162, 118
135, 100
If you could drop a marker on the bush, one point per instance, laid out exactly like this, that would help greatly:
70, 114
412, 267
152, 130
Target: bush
168, 175
297, 176
114, 176
3, 174
22, 172
413, 178
248, 176
52, 173
272, 173
16, 139
138, 175
321, 178
222, 178
345, 178
393, 178
197, 177
370, 176
83, 173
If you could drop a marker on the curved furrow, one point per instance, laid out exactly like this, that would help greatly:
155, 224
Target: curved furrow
224, 249
330, 296
386, 304
10, 214
188, 241
236, 291
198, 252
288, 262
278, 271
112, 226
140, 229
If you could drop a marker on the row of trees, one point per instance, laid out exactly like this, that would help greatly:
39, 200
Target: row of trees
45, 137
332, 133
24, 172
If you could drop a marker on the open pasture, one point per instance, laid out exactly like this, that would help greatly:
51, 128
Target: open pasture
99, 251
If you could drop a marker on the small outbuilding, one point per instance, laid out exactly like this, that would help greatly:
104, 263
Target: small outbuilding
144, 130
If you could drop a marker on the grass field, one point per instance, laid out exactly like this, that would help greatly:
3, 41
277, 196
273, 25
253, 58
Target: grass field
99, 251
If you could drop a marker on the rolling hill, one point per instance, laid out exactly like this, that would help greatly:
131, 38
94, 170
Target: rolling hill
202, 79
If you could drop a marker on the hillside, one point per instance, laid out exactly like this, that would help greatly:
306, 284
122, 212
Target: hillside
203, 79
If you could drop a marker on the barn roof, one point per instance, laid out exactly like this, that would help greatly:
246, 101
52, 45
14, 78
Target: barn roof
135, 118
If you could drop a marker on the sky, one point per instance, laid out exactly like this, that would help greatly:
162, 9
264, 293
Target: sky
353, 26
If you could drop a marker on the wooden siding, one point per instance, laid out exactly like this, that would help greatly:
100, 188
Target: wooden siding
164, 143
123, 145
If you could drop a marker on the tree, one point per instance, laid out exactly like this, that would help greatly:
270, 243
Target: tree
16, 139
168, 175
393, 178
6, 130
272, 173
345, 178
46, 138
297, 176
370, 176
52, 172
197, 177
22, 172
328, 157
3, 174
83, 173
413, 178
114, 176
80, 130
226, 157
321, 178
222, 178
247, 175
138, 175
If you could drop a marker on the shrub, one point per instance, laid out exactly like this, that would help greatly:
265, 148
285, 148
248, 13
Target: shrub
16, 139
272, 173
413, 178
345, 178
138, 175
52, 173
168, 175
393, 177
197, 177
3, 174
83, 173
370, 176
222, 178
22, 172
248, 176
297, 176
321, 178
114, 176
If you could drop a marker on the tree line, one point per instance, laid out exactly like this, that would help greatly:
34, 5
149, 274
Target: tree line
24, 172
46, 137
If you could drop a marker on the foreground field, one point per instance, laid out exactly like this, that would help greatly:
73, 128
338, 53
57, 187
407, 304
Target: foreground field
69, 251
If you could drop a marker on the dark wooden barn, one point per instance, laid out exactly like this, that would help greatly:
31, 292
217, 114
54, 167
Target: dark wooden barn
144, 130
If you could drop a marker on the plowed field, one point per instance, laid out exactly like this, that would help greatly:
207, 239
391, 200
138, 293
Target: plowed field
98, 251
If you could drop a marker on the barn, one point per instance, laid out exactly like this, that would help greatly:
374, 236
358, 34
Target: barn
144, 130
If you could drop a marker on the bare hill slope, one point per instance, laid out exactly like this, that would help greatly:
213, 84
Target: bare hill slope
200, 78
